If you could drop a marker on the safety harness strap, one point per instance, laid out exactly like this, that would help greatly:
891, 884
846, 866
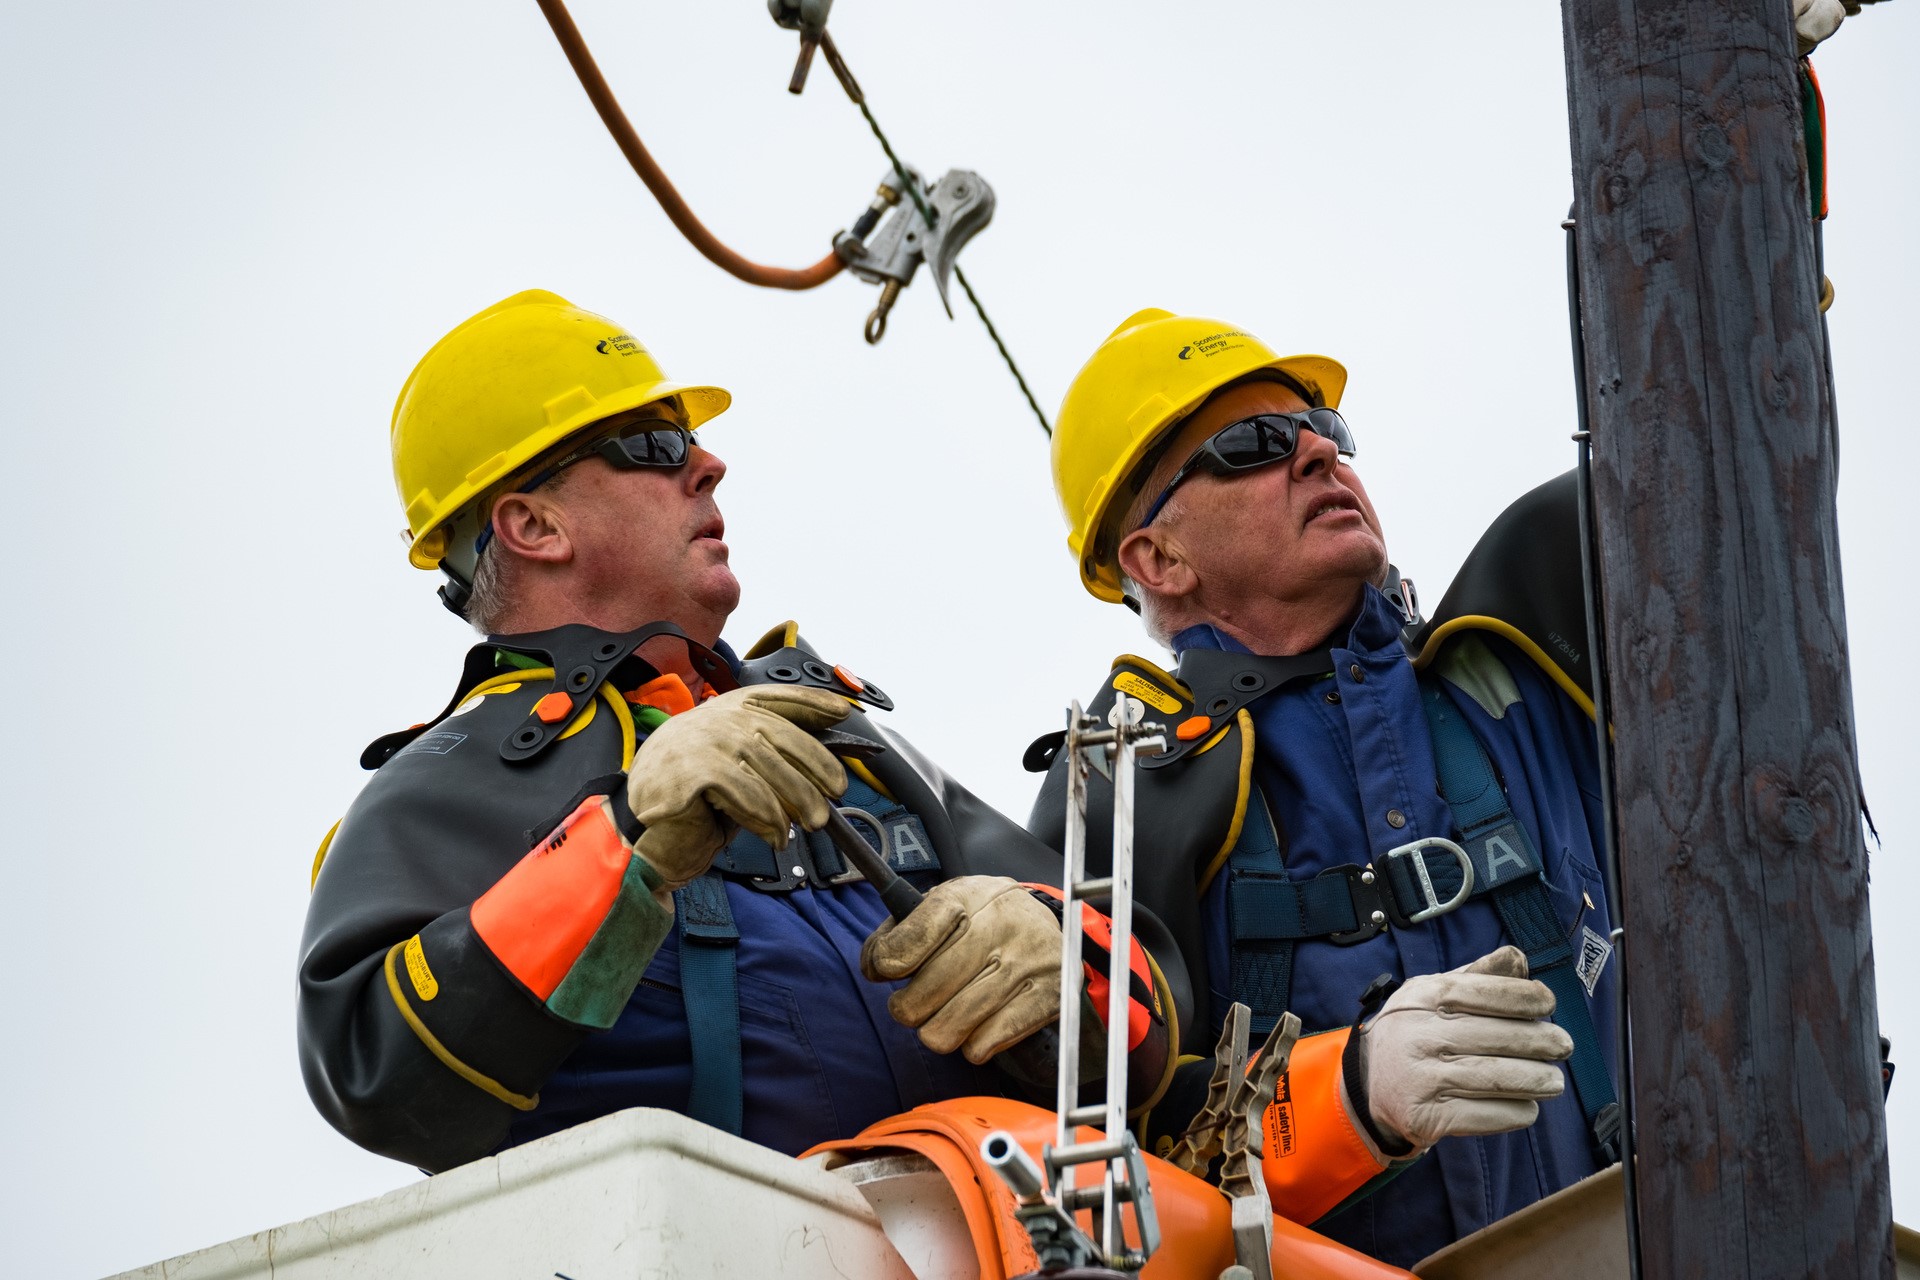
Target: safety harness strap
1262, 954
710, 985
710, 941
1496, 841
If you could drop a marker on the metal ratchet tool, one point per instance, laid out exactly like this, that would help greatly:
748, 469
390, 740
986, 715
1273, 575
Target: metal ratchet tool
1032, 1059
899, 896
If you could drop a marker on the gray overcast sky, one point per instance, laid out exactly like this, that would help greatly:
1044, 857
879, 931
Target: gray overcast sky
231, 229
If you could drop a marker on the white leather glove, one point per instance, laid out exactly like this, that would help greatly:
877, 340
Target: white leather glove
984, 956
1462, 1052
744, 757
1815, 20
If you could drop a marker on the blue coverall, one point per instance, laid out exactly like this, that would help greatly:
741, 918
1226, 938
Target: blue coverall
1334, 758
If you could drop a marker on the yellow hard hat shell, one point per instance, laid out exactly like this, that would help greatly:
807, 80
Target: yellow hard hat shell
505, 387
1151, 372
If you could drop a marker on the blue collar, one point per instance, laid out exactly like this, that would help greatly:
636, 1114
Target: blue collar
1374, 627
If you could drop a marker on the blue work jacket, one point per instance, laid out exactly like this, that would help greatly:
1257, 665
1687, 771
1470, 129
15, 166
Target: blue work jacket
1334, 759
820, 1055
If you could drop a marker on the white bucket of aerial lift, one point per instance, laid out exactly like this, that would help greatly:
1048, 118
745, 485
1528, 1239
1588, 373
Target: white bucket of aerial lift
637, 1195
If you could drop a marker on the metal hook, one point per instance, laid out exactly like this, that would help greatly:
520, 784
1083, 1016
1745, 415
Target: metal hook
877, 321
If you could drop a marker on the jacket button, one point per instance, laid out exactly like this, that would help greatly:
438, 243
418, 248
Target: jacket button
1334, 696
1359, 676
1396, 819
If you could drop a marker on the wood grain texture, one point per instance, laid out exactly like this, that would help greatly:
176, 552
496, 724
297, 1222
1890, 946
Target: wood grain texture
1761, 1132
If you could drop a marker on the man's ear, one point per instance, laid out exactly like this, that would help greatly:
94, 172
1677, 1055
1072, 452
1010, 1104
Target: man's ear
533, 527
1153, 559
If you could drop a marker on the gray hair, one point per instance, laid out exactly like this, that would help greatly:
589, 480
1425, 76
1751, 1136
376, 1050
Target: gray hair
490, 599
1152, 615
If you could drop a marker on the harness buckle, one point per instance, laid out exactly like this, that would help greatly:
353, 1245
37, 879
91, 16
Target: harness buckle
1373, 904
1416, 852
1606, 1135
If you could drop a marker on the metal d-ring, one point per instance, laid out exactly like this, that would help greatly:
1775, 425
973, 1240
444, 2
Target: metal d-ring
1416, 850
854, 814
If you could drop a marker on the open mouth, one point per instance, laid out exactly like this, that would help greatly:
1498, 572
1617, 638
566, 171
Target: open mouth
714, 530
1333, 506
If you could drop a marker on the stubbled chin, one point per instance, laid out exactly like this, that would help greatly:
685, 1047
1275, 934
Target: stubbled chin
720, 590
1355, 547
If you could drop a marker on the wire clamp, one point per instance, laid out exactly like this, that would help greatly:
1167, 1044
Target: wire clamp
931, 227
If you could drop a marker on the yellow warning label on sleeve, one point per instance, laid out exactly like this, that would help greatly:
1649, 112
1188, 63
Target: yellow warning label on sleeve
423, 980
1159, 699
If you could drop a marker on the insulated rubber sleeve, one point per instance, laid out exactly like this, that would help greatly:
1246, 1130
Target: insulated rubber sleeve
1312, 1156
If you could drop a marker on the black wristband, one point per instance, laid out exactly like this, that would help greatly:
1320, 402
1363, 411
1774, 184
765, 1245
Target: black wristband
1353, 1067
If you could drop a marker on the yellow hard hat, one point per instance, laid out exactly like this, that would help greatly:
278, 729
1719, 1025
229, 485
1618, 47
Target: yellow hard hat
505, 387
1151, 372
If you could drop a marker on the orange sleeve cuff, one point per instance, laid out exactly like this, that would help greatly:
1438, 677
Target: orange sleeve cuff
1311, 1154
540, 916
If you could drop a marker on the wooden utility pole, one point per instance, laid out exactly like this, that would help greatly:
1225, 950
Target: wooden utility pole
1760, 1130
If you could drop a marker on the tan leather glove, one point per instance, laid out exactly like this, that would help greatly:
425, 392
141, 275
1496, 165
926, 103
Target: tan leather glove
1815, 20
984, 956
1462, 1052
744, 757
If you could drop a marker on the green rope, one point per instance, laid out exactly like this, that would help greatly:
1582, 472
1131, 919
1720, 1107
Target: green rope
912, 189
1006, 355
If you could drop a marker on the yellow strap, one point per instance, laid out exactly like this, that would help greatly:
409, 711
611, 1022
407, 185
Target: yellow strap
624, 718
492, 683
1242, 790
1163, 992
858, 768
484, 1083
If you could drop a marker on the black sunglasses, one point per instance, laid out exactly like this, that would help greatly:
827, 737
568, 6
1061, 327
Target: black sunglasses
642, 442
1255, 442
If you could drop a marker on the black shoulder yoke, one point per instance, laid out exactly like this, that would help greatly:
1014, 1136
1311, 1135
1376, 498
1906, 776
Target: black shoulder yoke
582, 657
1196, 702
782, 657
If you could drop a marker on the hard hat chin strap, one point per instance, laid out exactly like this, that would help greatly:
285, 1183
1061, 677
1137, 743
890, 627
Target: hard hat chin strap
455, 593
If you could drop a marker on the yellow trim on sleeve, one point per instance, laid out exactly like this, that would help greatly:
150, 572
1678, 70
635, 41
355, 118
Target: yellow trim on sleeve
1243, 791
485, 1084
320, 856
1507, 631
